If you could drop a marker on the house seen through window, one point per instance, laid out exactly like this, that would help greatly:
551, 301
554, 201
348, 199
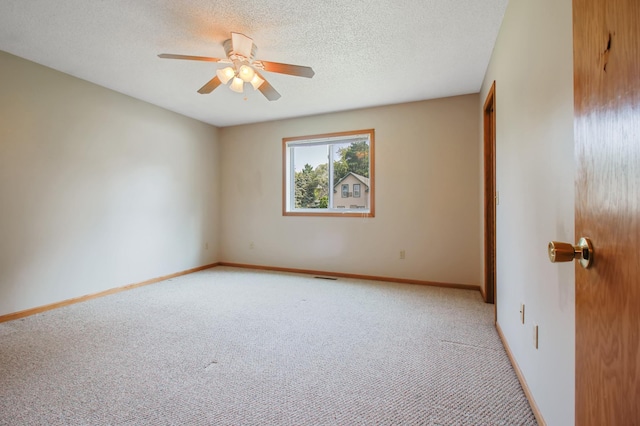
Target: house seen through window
329, 175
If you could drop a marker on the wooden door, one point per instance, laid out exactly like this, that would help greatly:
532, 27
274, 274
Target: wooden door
489, 124
607, 143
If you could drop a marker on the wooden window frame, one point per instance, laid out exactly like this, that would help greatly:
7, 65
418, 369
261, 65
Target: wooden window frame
286, 173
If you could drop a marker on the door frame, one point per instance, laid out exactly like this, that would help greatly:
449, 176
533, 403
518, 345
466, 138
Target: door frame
490, 200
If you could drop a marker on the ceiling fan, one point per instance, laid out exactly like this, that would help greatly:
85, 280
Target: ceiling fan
244, 68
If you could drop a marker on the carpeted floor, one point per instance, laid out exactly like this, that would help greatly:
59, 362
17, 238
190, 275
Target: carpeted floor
229, 346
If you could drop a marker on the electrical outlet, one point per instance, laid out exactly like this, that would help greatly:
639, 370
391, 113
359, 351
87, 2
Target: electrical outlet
402, 254
522, 313
251, 245
535, 336
206, 246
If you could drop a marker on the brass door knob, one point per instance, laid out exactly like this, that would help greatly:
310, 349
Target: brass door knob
565, 252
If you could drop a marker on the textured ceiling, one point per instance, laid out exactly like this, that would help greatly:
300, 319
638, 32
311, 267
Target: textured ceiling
364, 53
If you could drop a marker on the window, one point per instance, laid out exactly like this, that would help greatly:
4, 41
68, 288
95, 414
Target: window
319, 170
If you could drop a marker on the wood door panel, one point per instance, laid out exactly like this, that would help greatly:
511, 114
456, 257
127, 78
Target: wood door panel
607, 135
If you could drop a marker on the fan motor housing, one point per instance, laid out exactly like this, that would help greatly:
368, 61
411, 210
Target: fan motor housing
233, 55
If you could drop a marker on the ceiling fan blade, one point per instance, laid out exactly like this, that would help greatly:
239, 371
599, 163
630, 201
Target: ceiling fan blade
210, 86
242, 44
296, 70
188, 57
267, 89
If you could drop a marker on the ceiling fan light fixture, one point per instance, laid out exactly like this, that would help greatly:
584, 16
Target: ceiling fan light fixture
225, 74
256, 81
246, 73
240, 52
237, 85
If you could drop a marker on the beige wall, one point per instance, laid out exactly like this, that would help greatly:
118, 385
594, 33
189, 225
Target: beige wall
426, 172
532, 67
98, 190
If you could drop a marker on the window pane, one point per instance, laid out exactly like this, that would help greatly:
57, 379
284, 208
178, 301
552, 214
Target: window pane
356, 190
311, 177
351, 167
350, 158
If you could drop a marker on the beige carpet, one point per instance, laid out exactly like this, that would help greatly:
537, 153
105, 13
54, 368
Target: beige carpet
229, 346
